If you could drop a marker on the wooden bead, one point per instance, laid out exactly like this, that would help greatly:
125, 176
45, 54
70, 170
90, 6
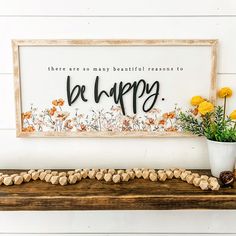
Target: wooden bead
104, 171
184, 175
203, 185
42, 176
18, 180
63, 180
173, 169
204, 177
72, 179
212, 179
116, 178
189, 179
13, 175
169, 174
145, 174
1, 180
48, 177
8, 180
84, 174
152, 171
125, 177
162, 176
99, 175
27, 178
153, 176
111, 171
138, 173
108, 177
119, 172
31, 171
48, 171
61, 174
92, 174
23, 173
131, 174
77, 170
195, 175
70, 172
182, 169
54, 173
40, 170
35, 175
196, 181
177, 174
78, 175
214, 185
55, 179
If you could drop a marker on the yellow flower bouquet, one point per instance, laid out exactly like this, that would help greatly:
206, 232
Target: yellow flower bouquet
205, 119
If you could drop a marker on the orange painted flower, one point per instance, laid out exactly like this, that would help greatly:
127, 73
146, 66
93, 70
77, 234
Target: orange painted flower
30, 128
162, 122
52, 111
55, 103
59, 102
225, 92
27, 115
169, 115
171, 129
82, 128
150, 121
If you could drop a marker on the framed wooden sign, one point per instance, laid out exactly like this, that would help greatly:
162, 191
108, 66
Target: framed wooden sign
109, 88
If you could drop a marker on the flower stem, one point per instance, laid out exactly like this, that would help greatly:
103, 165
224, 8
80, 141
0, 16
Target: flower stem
224, 107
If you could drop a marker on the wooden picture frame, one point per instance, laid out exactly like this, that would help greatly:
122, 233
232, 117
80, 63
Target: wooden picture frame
22, 65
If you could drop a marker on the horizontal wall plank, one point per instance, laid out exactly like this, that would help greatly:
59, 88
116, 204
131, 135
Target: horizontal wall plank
71, 153
116, 222
110, 234
221, 28
117, 8
7, 108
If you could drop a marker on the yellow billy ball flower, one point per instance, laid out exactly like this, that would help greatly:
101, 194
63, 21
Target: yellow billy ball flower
196, 100
205, 107
232, 116
225, 92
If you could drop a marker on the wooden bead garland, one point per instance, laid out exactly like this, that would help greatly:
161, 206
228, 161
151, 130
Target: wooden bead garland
204, 182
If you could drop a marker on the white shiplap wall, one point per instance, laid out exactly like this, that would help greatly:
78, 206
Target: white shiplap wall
69, 19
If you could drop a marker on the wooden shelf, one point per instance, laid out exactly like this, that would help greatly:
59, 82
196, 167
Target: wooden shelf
138, 194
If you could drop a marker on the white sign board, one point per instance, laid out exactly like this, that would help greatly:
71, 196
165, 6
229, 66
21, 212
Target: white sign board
109, 88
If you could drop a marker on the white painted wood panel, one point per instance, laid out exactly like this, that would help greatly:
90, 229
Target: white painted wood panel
116, 222
114, 8
110, 234
74, 153
222, 28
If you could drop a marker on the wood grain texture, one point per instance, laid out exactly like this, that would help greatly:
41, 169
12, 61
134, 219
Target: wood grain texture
98, 195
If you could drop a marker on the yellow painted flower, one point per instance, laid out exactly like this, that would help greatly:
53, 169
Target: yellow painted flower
205, 107
225, 92
232, 116
196, 100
